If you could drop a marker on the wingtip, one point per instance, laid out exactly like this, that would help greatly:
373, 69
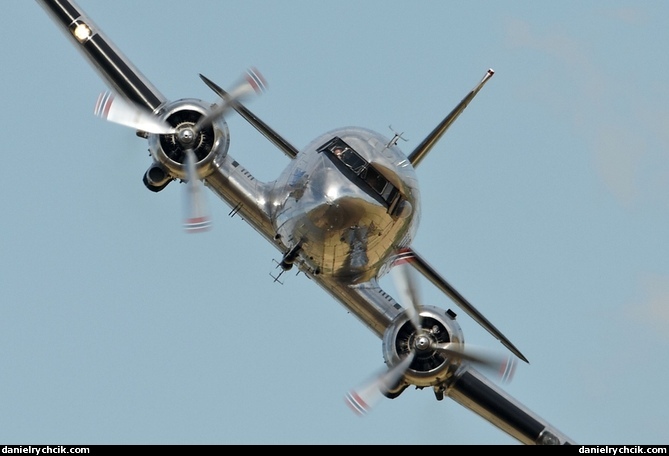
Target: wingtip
513, 349
212, 85
520, 355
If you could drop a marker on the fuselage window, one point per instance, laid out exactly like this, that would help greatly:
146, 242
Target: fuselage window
337, 149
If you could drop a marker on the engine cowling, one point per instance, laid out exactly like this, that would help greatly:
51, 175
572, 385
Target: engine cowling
168, 153
429, 367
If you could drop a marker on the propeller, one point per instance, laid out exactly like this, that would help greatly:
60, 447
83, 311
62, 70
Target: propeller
119, 110
363, 398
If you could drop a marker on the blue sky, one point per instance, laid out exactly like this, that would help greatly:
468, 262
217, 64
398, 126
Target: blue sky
546, 205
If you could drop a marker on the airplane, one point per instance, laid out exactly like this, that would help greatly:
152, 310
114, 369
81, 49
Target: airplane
343, 212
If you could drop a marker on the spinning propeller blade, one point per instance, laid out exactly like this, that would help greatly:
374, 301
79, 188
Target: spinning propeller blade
405, 284
502, 366
197, 217
362, 399
114, 108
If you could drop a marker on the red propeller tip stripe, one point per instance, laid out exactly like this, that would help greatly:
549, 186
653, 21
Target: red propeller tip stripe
507, 370
103, 105
356, 403
256, 80
196, 225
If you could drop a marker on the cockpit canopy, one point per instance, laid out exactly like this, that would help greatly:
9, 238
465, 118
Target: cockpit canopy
359, 169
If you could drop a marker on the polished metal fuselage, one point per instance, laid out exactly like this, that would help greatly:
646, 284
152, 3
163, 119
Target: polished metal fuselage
344, 231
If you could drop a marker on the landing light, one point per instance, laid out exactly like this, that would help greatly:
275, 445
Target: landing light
82, 32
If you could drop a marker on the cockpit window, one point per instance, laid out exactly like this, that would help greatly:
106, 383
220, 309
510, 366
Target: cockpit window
341, 152
350, 158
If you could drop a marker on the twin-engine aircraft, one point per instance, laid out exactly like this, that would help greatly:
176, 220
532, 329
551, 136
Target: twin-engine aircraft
343, 212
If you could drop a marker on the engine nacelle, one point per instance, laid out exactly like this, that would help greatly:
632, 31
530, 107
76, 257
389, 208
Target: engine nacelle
429, 367
169, 155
